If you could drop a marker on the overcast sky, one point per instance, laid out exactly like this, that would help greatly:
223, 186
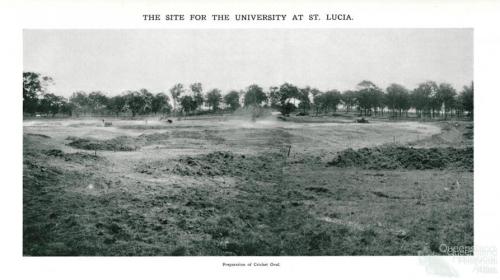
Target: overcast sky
117, 60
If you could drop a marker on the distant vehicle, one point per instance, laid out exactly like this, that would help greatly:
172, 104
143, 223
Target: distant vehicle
38, 116
167, 120
107, 123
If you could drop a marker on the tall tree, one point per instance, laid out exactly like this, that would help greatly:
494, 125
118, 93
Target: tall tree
303, 97
232, 100
34, 85
214, 98
286, 93
187, 103
97, 101
135, 102
435, 103
315, 101
197, 90
332, 100
254, 95
446, 96
81, 102
466, 99
116, 104
148, 97
160, 103
319, 103
51, 104
67, 108
369, 96
349, 98
176, 92
421, 98
397, 99
273, 97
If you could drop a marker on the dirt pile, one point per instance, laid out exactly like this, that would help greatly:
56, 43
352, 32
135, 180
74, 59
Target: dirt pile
143, 126
213, 164
122, 143
468, 132
74, 157
154, 137
220, 163
402, 157
37, 175
39, 135
54, 153
93, 124
205, 134
127, 143
453, 134
160, 138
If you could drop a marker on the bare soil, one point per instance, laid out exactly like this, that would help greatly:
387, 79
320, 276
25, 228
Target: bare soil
228, 186
396, 157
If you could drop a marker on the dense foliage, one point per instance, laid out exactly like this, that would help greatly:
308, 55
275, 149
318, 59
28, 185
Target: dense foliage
428, 99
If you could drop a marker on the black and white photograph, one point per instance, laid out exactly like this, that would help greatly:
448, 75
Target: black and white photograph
248, 142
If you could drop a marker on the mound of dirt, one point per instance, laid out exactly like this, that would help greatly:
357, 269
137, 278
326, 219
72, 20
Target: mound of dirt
155, 137
38, 175
75, 157
453, 134
127, 143
220, 163
144, 126
187, 134
54, 153
213, 164
121, 143
396, 157
94, 124
468, 132
38, 135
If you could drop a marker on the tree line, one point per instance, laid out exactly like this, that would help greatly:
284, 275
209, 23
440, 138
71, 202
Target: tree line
428, 99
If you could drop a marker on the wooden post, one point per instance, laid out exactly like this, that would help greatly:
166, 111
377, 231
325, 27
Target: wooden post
289, 149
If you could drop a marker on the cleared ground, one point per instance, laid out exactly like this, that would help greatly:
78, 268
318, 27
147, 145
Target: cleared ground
227, 186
